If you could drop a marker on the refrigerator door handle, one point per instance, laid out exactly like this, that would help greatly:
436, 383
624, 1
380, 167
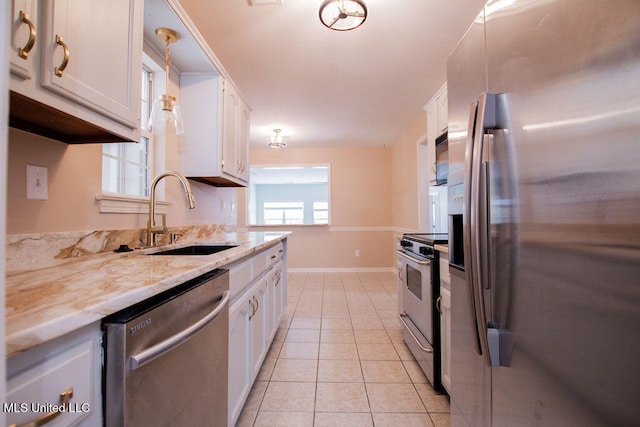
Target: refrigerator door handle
467, 229
485, 119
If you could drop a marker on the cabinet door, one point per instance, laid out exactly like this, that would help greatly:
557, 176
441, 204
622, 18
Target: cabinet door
240, 379
443, 116
91, 54
231, 108
259, 322
24, 35
445, 336
243, 142
432, 134
276, 295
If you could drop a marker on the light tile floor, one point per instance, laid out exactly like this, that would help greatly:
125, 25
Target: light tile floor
338, 359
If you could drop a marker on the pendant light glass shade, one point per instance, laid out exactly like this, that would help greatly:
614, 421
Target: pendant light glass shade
166, 110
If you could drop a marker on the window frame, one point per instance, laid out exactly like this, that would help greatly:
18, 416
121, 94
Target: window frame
109, 202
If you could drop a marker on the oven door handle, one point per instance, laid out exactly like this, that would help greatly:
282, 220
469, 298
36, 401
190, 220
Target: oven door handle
145, 356
425, 349
417, 261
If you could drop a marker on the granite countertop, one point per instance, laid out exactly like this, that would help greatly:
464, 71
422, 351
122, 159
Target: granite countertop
442, 248
44, 304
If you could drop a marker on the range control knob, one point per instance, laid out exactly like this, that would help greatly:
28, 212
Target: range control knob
405, 243
426, 251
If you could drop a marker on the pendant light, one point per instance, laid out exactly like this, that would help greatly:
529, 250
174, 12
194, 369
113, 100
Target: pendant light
166, 110
277, 140
343, 15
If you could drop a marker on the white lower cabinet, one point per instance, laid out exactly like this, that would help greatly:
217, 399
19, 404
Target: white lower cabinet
445, 323
57, 383
258, 325
254, 317
239, 357
277, 296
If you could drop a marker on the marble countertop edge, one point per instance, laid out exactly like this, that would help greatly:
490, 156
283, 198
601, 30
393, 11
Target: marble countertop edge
47, 303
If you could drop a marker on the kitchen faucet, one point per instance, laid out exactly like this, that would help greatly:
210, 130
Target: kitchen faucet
152, 228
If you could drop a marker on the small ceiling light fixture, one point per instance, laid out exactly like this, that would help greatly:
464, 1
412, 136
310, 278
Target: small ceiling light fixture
277, 140
343, 15
166, 110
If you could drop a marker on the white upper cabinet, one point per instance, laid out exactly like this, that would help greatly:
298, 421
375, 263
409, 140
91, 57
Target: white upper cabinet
80, 81
437, 122
214, 148
235, 136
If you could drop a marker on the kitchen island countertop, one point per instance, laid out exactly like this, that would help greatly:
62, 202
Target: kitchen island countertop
47, 303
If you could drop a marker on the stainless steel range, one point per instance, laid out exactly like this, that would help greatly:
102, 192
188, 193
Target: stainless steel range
418, 272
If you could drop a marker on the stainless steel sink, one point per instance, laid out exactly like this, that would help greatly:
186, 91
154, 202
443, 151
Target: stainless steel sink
195, 250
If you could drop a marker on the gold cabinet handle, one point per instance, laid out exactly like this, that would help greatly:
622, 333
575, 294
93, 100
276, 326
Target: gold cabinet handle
65, 60
253, 309
24, 51
257, 303
65, 397
438, 302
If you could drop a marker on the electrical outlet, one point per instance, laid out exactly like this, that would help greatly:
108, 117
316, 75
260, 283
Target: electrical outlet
357, 252
37, 183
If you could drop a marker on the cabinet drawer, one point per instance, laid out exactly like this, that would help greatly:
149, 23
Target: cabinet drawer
259, 262
40, 389
239, 277
274, 254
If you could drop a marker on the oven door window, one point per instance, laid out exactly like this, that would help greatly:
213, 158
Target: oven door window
414, 281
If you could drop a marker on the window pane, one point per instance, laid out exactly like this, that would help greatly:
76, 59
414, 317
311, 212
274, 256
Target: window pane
134, 180
110, 175
136, 153
125, 167
283, 213
111, 149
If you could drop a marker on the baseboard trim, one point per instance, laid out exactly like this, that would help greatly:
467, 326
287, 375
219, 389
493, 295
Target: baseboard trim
342, 270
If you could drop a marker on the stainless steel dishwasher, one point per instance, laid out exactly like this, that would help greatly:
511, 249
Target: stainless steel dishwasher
166, 358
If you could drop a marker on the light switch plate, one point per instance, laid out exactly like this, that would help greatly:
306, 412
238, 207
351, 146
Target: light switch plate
37, 183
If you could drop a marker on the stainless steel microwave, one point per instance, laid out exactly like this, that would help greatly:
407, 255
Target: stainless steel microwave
442, 159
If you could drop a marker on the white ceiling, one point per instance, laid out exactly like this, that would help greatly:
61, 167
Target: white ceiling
329, 88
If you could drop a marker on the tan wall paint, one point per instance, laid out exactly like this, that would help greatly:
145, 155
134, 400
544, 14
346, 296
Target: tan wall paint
404, 194
75, 178
361, 214
373, 196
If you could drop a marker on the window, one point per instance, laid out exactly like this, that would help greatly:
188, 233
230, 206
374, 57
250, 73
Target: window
320, 213
295, 195
283, 213
126, 166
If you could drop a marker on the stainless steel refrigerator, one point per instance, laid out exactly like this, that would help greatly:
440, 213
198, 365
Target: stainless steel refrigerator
544, 212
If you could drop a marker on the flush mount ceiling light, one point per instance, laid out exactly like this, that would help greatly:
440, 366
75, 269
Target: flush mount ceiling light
343, 15
277, 140
166, 110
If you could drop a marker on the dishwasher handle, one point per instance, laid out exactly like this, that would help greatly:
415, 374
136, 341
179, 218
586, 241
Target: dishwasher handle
140, 359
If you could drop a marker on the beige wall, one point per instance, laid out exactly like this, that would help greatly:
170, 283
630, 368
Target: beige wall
75, 178
373, 195
405, 175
